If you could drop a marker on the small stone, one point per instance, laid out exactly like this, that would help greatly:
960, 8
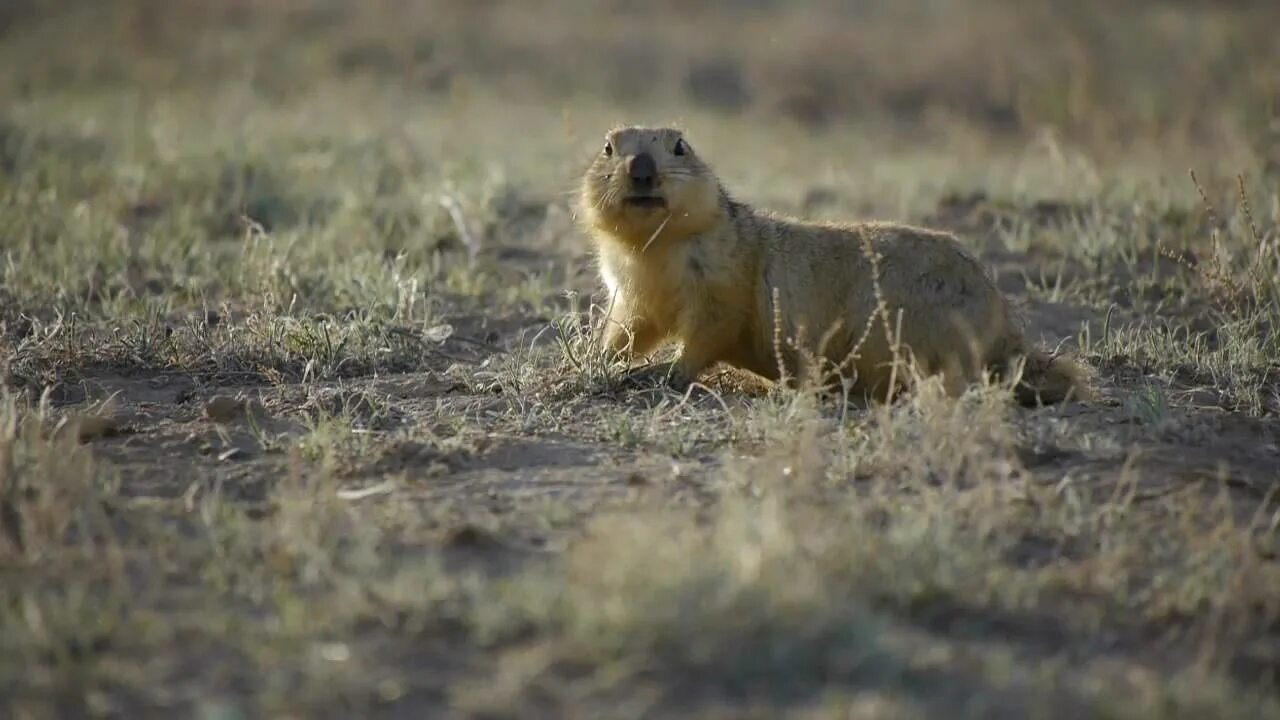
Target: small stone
390, 690
223, 408
438, 333
85, 428
93, 427
335, 652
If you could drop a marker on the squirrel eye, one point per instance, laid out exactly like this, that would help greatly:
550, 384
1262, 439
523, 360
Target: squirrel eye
608, 149
680, 148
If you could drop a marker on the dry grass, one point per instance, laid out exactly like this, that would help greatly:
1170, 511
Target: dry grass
304, 411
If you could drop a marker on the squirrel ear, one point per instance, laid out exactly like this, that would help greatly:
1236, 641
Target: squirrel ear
681, 147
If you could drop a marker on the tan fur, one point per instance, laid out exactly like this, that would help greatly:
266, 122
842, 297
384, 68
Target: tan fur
696, 266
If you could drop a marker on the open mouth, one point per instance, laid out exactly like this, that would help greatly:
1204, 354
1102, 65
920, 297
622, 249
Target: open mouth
646, 201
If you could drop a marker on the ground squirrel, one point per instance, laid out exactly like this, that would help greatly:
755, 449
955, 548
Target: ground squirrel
682, 260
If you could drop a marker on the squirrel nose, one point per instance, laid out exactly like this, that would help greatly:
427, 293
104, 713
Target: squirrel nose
642, 170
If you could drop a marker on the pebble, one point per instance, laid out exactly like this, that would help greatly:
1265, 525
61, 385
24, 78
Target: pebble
223, 408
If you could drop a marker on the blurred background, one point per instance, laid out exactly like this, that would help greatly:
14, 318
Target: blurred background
1098, 71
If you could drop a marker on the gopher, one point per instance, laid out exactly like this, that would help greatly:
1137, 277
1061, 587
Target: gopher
874, 303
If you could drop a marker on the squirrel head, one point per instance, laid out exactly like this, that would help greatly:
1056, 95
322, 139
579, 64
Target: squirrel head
648, 182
